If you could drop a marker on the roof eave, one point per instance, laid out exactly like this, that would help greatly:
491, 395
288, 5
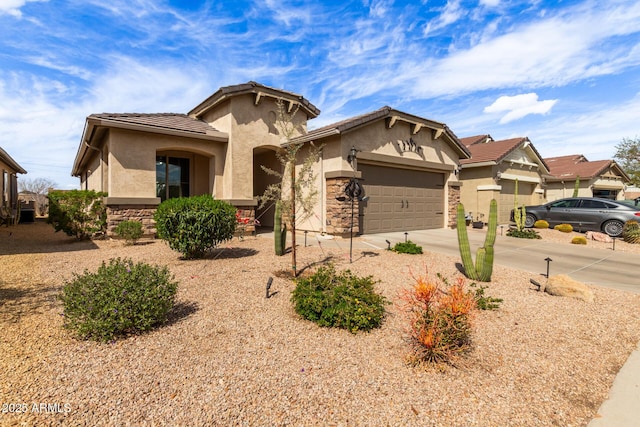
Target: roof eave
92, 124
258, 89
10, 162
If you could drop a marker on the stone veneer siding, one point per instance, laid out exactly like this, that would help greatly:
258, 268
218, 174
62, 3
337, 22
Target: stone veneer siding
454, 199
144, 213
338, 219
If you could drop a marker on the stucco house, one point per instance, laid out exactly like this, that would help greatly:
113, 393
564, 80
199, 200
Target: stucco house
9, 186
407, 163
492, 171
600, 178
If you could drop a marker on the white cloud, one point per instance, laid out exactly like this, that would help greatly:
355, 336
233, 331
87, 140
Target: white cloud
553, 51
490, 3
12, 7
450, 14
519, 106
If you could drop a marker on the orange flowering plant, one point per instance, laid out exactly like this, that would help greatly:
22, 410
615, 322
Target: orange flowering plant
440, 318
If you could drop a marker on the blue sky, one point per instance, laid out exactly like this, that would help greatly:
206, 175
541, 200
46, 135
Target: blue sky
564, 73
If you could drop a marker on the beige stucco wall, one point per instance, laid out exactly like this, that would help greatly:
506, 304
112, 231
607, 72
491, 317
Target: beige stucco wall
4, 184
131, 171
249, 126
559, 189
481, 185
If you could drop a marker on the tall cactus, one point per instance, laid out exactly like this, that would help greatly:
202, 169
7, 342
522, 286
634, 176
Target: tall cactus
279, 231
483, 267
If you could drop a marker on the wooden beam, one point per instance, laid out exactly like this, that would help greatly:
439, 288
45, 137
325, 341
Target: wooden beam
416, 128
437, 133
391, 121
259, 96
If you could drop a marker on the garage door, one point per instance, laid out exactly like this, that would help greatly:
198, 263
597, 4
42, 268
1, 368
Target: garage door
505, 203
401, 199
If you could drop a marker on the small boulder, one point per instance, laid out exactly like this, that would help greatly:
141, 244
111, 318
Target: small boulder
564, 286
598, 237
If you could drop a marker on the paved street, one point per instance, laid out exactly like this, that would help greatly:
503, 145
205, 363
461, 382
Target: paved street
603, 267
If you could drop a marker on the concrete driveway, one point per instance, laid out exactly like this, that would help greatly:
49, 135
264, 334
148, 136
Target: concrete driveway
601, 267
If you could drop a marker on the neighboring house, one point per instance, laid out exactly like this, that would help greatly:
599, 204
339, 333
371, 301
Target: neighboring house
601, 178
9, 182
218, 148
492, 171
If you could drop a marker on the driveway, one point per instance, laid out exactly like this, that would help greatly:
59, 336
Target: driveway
601, 267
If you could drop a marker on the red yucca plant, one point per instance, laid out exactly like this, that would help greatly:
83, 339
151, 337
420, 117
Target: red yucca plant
440, 318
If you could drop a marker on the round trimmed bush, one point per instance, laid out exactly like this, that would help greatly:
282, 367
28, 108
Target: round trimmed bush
130, 230
121, 298
340, 300
541, 223
579, 240
195, 225
565, 228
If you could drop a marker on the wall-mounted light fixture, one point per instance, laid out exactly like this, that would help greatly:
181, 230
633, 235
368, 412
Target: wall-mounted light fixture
352, 158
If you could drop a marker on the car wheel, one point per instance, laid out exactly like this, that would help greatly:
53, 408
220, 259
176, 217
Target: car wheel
530, 220
613, 227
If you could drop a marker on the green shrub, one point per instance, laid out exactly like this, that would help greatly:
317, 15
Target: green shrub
565, 228
440, 319
541, 223
340, 300
407, 247
485, 302
631, 232
130, 230
78, 213
121, 298
526, 233
579, 240
195, 225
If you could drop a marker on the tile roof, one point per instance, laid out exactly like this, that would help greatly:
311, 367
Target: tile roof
572, 166
492, 151
384, 112
180, 122
252, 87
477, 139
5, 157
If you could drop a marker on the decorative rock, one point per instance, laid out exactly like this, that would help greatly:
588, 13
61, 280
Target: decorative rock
598, 237
564, 286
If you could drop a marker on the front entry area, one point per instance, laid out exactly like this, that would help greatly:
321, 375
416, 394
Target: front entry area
401, 199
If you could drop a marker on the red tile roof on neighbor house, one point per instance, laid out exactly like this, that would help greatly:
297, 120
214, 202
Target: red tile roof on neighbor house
477, 139
576, 165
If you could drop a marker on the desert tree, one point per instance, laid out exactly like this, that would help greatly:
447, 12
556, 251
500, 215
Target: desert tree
294, 190
628, 155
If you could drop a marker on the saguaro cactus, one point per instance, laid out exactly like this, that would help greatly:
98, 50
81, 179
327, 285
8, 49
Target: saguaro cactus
279, 231
483, 267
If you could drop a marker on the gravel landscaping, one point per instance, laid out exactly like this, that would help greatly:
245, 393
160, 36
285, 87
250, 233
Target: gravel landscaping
230, 356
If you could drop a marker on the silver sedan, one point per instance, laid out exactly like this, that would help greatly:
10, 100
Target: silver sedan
584, 214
